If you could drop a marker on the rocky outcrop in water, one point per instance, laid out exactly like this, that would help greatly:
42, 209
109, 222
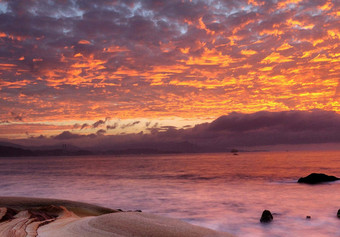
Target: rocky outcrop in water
32, 217
26, 222
266, 217
316, 178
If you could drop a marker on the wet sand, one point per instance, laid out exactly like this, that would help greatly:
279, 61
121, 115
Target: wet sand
52, 217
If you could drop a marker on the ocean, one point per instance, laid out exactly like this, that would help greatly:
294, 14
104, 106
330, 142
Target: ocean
221, 191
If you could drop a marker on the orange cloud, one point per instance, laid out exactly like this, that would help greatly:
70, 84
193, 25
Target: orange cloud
204, 27
248, 52
7, 65
155, 61
210, 57
84, 42
284, 46
283, 4
276, 58
327, 6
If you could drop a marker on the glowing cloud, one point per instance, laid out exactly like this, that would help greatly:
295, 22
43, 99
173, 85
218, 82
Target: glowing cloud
177, 60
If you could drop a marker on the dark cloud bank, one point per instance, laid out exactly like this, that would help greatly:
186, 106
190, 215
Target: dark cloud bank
235, 130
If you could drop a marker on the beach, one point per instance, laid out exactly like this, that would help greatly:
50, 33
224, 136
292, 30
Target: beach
22, 216
222, 192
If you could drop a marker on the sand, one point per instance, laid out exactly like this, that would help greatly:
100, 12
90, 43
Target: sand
55, 218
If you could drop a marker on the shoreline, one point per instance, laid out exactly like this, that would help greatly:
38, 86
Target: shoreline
23, 216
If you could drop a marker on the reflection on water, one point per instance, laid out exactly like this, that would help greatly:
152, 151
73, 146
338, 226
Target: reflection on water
219, 191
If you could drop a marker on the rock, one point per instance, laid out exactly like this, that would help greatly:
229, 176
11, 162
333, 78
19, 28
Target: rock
315, 178
233, 150
308, 217
266, 217
7, 214
338, 214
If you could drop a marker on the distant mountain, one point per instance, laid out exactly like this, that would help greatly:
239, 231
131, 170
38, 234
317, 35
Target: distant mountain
9, 144
9, 151
14, 151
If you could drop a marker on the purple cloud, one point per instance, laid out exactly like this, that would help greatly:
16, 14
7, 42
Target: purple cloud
66, 135
111, 127
224, 133
129, 124
85, 125
98, 123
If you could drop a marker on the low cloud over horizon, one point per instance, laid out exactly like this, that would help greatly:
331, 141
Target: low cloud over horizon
226, 132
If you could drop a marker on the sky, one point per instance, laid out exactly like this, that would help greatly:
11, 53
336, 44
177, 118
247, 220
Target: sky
107, 70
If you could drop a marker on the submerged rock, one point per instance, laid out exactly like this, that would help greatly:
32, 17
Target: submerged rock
315, 178
266, 217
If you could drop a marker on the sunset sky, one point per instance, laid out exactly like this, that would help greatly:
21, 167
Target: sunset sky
80, 67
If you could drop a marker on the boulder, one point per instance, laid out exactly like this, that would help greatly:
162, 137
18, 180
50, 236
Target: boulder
266, 217
315, 178
338, 214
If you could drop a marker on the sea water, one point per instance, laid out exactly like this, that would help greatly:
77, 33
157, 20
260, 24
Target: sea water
221, 191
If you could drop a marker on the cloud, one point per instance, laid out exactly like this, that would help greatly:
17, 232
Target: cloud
98, 123
282, 121
80, 60
85, 125
66, 135
17, 117
337, 91
101, 132
129, 124
259, 129
38, 137
76, 126
187, 126
111, 127
270, 128
226, 132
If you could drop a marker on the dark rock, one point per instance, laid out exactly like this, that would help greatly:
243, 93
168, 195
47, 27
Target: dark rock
7, 214
308, 217
338, 214
45, 212
266, 217
315, 178
134, 211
